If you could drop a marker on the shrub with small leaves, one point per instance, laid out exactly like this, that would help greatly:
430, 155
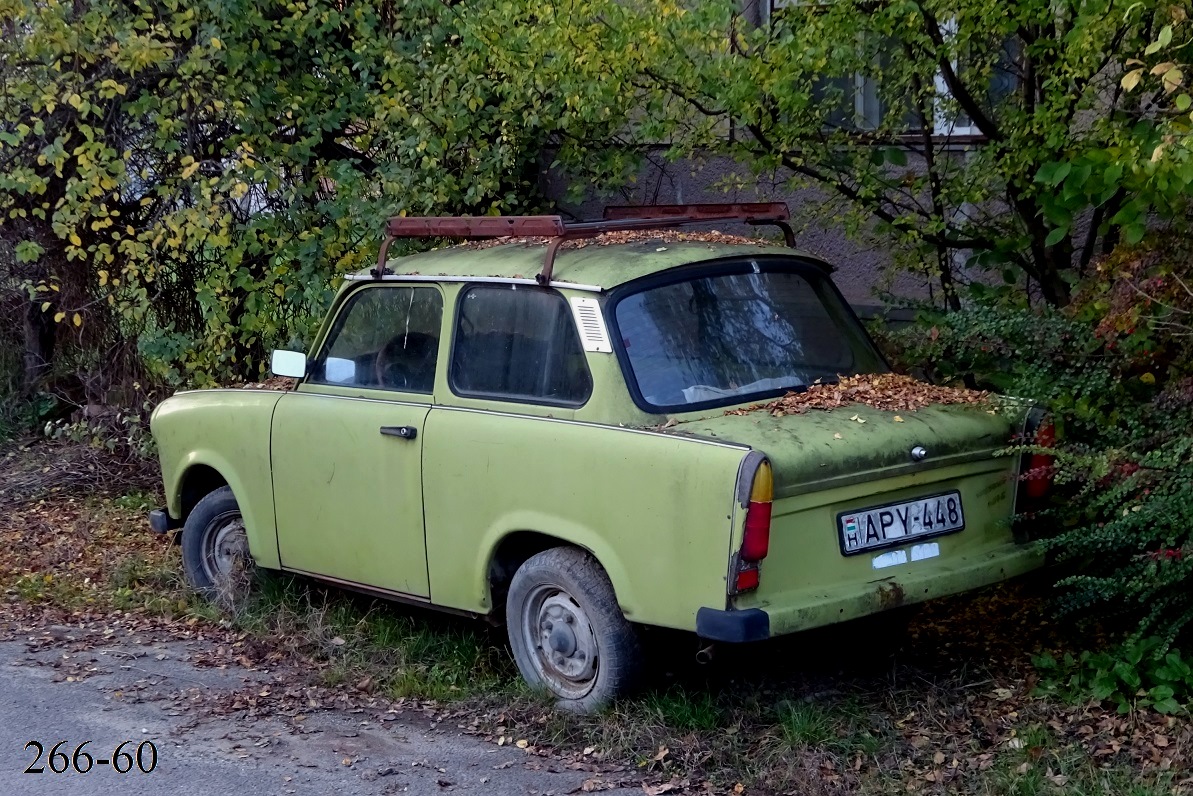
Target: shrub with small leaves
1115, 371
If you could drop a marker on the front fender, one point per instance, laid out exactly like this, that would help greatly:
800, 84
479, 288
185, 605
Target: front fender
228, 431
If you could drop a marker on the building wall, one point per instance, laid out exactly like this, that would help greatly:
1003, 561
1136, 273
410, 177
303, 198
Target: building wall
861, 266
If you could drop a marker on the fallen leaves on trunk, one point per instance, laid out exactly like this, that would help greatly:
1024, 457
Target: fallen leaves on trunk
890, 392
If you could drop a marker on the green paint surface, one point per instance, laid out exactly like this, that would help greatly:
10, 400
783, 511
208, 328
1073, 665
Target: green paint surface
653, 497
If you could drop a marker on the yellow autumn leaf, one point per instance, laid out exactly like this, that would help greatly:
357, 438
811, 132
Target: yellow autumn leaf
189, 170
103, 278
58, 316
75, 239
45, 305
279, 290
898, 419
77, 320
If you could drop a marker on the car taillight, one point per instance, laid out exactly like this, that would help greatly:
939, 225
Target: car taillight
1039, 465
1036, 470
756, 541
756, 536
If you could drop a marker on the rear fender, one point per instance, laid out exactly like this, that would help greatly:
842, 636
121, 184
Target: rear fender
568, 534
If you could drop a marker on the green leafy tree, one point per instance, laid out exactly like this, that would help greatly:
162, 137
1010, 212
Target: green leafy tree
181, 183
930, 119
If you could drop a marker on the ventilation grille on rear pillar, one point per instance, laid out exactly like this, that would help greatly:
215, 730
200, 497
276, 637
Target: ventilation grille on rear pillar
590, 323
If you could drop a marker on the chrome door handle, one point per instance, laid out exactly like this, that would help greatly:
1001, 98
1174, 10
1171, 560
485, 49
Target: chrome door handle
405, 432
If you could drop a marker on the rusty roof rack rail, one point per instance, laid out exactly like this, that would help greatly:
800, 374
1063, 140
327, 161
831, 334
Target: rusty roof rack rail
616, 219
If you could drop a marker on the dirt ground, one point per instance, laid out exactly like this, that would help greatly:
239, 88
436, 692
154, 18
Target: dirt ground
84, 684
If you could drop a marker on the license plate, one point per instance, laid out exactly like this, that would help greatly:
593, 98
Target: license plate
897, 523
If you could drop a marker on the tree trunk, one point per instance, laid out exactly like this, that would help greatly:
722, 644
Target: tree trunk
40, 337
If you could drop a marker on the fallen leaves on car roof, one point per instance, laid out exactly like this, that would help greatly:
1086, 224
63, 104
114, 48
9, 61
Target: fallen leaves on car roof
889, 392
631, 236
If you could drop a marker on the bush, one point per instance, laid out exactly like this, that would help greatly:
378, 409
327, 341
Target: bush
1115, 370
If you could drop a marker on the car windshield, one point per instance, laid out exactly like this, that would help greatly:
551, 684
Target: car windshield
732, 337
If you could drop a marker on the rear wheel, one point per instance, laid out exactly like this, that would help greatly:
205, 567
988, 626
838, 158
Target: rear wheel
215, 549
567, 633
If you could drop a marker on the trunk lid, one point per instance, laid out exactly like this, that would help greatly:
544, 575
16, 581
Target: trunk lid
820, 448
828, 466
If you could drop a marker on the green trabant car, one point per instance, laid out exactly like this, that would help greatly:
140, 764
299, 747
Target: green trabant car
550, 430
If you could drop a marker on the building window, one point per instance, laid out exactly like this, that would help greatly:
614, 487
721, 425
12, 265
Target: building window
860, 102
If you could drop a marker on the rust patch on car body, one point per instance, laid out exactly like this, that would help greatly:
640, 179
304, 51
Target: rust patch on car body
890, 595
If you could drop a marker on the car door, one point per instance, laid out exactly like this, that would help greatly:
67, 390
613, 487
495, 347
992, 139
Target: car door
347, 444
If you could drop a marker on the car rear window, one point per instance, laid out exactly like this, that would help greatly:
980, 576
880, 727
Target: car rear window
730, 337
518, 343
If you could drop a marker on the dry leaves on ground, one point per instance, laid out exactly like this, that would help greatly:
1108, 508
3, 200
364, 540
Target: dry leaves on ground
49, 468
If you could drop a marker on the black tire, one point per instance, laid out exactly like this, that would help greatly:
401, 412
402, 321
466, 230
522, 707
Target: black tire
567, 633
215, 555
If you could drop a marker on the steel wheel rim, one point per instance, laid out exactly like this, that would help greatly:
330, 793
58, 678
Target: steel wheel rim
562, 644
225, 549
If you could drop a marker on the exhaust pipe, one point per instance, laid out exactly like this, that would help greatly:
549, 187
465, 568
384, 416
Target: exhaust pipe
705, 655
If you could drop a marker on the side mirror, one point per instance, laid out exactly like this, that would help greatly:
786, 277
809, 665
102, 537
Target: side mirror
292, 364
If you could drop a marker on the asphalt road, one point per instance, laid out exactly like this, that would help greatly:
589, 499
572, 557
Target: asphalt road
123, 691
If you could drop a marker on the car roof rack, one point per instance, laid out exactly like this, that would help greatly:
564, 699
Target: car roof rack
625, 218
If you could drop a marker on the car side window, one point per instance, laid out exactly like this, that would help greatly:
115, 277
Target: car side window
384, 338
518, 343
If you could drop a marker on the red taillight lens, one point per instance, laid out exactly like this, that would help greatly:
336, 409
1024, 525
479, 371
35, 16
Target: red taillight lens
756, 541
1037, 473
747, 579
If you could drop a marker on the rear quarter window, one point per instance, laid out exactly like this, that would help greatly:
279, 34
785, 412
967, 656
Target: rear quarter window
518, 343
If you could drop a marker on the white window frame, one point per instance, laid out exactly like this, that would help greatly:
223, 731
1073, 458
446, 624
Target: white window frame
942, 126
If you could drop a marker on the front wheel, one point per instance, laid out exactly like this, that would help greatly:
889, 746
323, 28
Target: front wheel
215, 549
567, 633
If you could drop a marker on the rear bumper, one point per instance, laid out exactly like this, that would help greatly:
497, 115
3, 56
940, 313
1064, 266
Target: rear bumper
825, 606
161, 521
734, 627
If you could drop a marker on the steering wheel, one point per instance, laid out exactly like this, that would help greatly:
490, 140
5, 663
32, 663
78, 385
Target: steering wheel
388, 371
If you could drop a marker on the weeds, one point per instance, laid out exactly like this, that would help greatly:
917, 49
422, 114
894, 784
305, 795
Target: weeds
807, 724
684, 710
361, 641
1141, 673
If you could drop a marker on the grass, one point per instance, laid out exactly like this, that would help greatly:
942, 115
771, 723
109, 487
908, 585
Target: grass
808, 724
823, 713
400, 655
685, 710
